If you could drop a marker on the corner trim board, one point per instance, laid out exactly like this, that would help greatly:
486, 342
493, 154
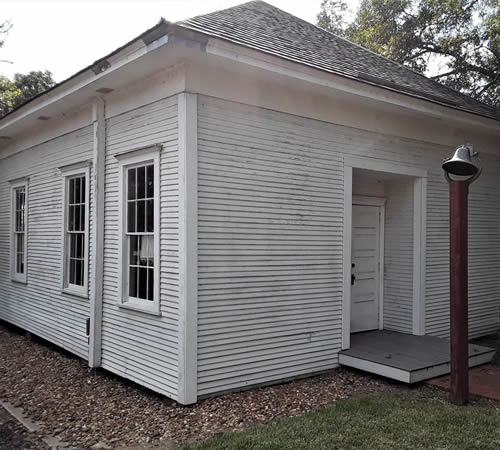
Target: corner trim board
188, 247
96, 276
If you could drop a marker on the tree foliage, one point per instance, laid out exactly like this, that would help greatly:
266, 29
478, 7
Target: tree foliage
8, 94
23, 87
458, 39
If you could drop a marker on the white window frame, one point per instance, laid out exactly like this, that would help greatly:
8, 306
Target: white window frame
68, 172
129, 160
14, 185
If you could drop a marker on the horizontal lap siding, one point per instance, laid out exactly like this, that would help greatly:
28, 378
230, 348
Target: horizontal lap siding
484, 252
140, 346
270, 230
270, 250
39, 306
398, 257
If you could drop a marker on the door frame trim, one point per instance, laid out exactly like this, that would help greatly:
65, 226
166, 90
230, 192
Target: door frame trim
419, 237
380, 203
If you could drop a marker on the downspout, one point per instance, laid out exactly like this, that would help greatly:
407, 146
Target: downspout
95, 331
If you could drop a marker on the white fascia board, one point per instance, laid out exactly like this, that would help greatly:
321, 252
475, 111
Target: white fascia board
301, 71
134, 51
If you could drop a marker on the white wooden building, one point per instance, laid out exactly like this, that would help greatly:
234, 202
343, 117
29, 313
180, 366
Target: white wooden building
185, 212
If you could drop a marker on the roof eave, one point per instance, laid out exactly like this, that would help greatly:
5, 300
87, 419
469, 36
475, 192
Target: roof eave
87, 75
235, 44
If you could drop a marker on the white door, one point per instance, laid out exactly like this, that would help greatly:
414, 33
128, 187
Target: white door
365, 268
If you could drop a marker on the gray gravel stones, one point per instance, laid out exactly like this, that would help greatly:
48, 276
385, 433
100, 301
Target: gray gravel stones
84, 407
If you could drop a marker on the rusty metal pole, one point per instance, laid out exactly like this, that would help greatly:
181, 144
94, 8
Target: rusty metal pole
459, 325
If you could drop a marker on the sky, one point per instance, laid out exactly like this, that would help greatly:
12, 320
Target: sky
66, 36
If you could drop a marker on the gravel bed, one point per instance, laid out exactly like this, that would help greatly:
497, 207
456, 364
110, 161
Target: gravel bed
84, 407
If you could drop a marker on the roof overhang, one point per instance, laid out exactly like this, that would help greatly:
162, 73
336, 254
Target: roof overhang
167, 43
154, 50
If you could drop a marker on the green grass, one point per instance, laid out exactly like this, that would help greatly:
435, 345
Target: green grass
382, 421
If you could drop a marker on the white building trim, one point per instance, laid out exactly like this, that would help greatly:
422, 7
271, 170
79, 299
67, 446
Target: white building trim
188, 247
68, 172
128, 160
419, 227
99, 157
16, 184
419, 239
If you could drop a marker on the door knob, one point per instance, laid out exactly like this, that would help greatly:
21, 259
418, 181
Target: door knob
353, 277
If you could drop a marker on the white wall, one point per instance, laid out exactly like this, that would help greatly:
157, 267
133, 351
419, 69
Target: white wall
136, 345
39, 306
270, 241
367, 183
484, 252
398, 256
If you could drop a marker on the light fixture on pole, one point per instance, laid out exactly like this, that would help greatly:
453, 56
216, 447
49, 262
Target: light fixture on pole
460, 171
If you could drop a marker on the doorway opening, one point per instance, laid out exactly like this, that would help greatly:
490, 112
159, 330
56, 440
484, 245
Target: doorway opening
384, 249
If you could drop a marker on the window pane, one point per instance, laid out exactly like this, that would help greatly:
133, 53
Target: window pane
150, 250
71, 218
22, 199
141, 216
131, 216
146, 250
77, 190
132, 284
77, 221
22, 215
71, 270
150, 181
82, 217
134, 250
79, 245
143, 282
20, 262
150, 216
71, 191
19, 209
78, 272
20, 253
131, 184
141, 182
150, 284
82, 192
72, 245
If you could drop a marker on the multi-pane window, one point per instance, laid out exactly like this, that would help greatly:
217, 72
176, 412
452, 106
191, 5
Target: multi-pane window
139, 230
140, 240
75, 238
76, 230
19, 232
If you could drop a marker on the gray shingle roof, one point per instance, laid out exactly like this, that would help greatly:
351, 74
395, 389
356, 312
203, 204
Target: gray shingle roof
264, 27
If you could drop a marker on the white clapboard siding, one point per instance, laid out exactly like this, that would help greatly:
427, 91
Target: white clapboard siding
39, 306
136, 345
270, 252
270, 243
398, 256
484, 254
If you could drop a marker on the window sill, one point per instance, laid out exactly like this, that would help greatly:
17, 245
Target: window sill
19, 280
153, 309
75, 292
